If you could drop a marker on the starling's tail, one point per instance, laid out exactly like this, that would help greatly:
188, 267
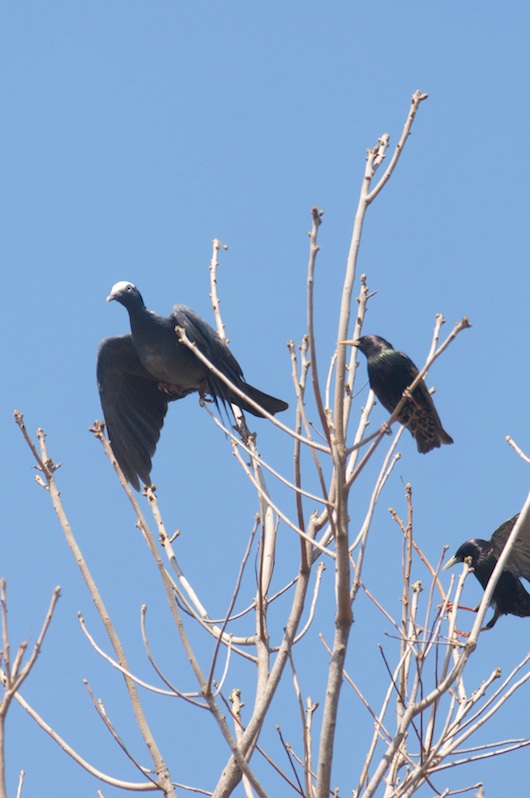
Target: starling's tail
428, 441
268, 403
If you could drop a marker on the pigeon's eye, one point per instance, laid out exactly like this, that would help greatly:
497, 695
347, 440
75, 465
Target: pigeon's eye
129, 288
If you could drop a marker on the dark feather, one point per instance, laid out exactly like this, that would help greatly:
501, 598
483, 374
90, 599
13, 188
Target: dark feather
509, 596
214, 348
519, 559
390, 372
139, 374
133, 405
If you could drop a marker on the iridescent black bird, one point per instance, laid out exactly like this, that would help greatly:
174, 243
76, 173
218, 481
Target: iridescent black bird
390, 372
509, 596
139, 374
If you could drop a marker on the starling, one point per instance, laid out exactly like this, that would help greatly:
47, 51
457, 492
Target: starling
390, 373
139, 374
509, 596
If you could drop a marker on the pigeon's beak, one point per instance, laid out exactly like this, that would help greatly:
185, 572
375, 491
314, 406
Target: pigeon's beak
450, 563
349, 343
111, 297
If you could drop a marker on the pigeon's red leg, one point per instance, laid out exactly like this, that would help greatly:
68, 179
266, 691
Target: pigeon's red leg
204, 389
170, 389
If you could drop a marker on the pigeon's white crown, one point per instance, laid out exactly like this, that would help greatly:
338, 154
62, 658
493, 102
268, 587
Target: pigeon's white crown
117, 287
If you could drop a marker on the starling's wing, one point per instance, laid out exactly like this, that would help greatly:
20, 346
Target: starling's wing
389, 375
420, 416
133, 406
519, 559
214, 348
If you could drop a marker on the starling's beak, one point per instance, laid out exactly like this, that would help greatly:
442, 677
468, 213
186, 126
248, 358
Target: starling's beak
450, 563
349, 343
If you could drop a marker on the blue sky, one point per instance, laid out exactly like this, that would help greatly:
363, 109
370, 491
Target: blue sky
135, 133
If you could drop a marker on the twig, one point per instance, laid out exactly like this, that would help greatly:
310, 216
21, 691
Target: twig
235, 594
301, 419
417, 98
201, 614
20, 783
341, 483
314, 248
306, 734
172, 688
125, 785
214, 263
242, 445
12, 675
235, 698
374, 159
282, 515
261, 751
289, 753
183, 339
362, 304
48, 469
307, 625
168, 693
519, 451
100, 709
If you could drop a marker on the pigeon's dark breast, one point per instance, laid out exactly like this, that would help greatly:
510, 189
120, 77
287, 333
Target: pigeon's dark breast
175, 365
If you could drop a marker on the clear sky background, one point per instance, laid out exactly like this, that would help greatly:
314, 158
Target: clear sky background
132, 135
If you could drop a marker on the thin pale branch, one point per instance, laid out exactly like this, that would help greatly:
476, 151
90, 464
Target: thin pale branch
417, 98
183, 339
281, 514
48, 470
214, 263
519, 451
314, 248
124, 785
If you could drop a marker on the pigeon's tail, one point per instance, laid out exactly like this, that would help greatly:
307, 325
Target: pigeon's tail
268, 403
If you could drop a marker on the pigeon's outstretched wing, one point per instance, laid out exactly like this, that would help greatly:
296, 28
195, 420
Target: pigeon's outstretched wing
519, 560
133, 405
214, 348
